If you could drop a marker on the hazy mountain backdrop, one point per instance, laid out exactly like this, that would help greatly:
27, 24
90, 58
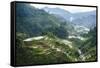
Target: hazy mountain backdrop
54, 35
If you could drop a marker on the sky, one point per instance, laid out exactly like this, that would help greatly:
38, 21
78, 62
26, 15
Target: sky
72, 9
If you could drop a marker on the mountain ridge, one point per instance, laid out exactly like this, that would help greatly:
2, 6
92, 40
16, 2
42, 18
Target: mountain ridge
71, 17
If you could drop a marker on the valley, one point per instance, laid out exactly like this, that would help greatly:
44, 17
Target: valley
54, 35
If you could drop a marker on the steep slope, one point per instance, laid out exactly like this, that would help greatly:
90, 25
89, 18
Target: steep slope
86, 19
41, 35
89, 46
34, 22
38, 49
59, 12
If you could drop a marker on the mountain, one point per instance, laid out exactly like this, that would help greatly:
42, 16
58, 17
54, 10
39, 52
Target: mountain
59, 12
86, 19
83, 14
41, 35
35, 22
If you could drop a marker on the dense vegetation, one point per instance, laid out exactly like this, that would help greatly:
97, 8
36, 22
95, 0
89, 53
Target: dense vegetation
89, 46
54, 45
38, 22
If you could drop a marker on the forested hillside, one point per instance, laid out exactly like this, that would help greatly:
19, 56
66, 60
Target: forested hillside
44, 38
